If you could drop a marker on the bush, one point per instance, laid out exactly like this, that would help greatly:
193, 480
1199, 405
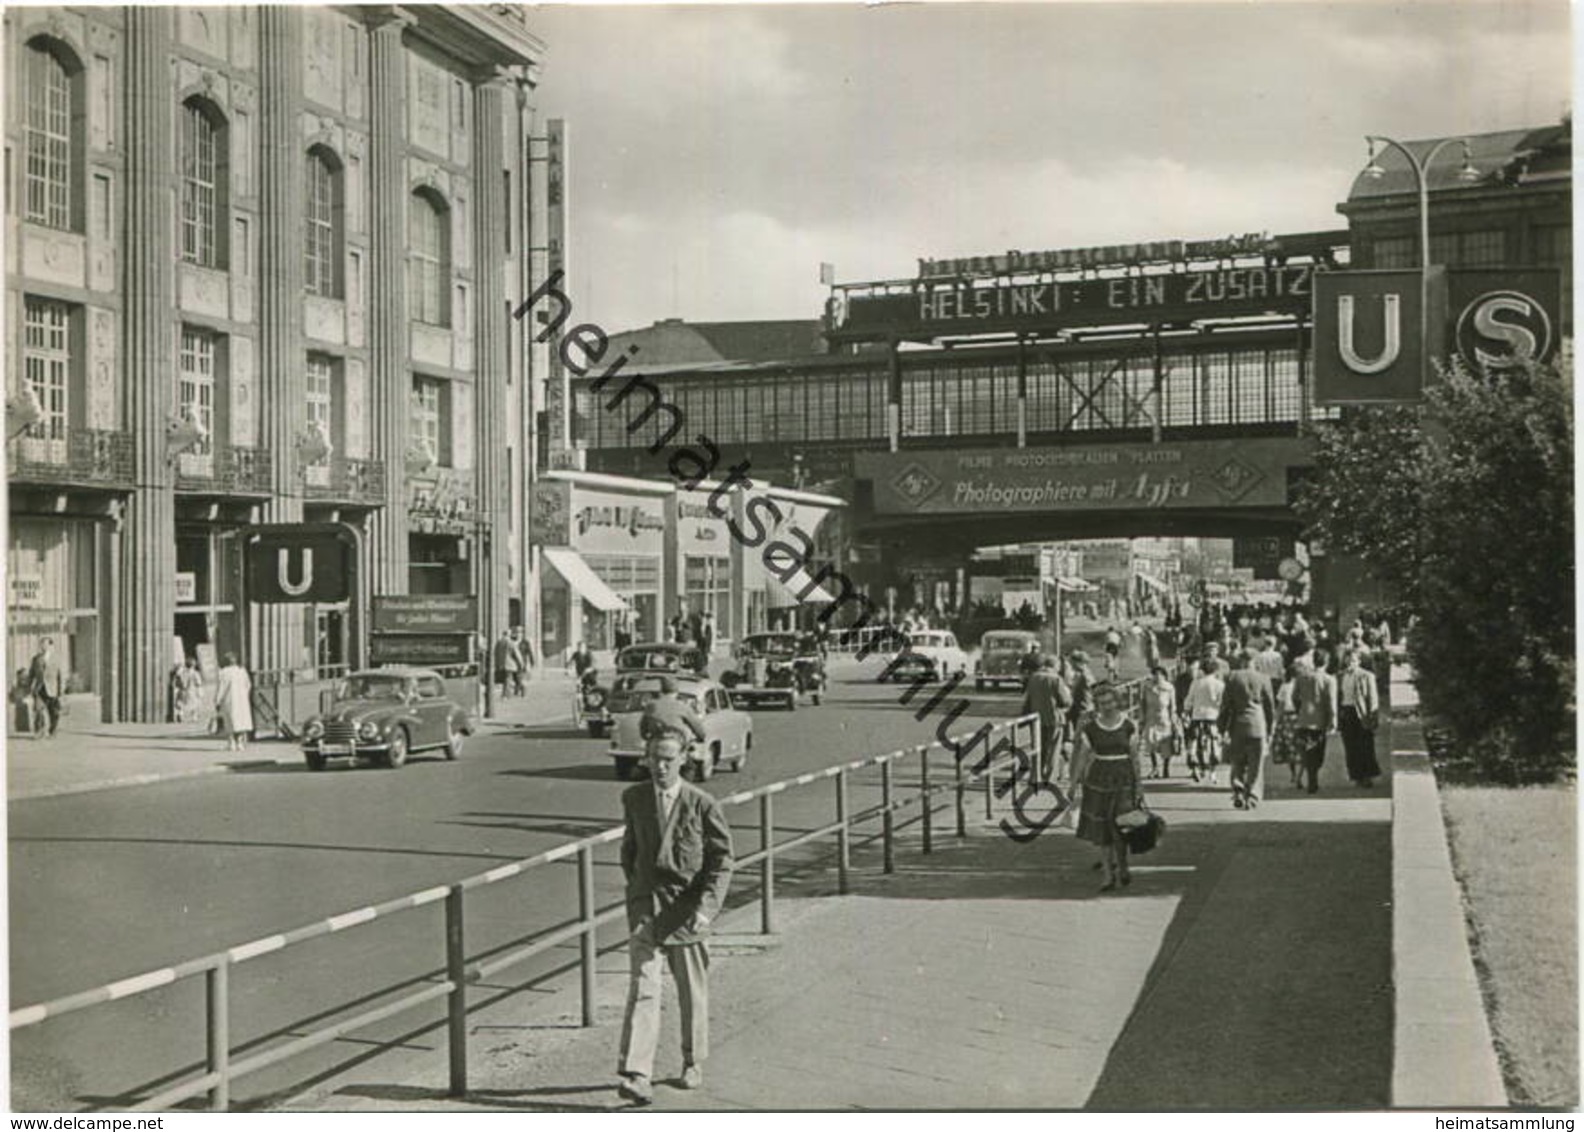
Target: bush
1465, 508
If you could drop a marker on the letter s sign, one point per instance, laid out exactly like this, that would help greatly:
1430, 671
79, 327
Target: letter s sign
1500, 329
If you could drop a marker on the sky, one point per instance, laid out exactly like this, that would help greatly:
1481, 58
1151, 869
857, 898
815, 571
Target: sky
718, 155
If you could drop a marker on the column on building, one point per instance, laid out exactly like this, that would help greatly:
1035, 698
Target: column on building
148, 542
391, 383
492, 364
283, 391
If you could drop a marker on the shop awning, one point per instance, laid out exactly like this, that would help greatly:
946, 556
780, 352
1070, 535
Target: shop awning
782, 594
570, 565
1153, 582
1074, 585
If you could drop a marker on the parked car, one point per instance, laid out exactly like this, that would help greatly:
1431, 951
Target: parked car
1001, 653
931, 654
386, 714
728, 732
775, 668
661, 656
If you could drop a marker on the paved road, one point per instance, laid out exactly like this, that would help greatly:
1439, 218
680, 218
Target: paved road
108, 885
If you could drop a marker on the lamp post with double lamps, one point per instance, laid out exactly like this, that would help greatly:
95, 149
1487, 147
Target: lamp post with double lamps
1421, 171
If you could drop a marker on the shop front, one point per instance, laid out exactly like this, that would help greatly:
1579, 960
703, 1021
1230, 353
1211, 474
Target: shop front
704, 550
56, 578
602, 551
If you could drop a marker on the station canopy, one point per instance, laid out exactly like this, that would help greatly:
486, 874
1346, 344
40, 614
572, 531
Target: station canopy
582, 578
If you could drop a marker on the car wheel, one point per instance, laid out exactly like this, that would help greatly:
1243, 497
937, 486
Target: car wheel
454, 741
314, 760
396, 753
815, 696
624, 768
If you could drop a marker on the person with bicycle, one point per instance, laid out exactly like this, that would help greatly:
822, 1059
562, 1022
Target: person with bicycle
1203, 708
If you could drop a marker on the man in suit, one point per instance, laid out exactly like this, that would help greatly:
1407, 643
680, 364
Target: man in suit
676, 856
1047, 696
48, 682
1248, 717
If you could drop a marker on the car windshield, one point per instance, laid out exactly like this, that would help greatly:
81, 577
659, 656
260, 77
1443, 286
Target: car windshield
993, 643
933, 640
631, 693
373, 688
659, 660
772, 646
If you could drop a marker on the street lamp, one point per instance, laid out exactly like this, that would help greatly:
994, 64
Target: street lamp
1468, 175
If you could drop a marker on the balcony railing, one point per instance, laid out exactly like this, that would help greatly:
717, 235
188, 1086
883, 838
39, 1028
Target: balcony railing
92, 457
348, 481
230, 470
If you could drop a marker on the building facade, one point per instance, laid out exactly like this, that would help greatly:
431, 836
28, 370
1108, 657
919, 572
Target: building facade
261, 269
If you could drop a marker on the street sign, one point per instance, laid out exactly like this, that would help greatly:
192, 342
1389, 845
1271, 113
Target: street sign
300, 562
420, 648
1505, 318
1369, 341
425, 613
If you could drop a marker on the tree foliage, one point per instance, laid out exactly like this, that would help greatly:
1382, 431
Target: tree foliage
1464, 506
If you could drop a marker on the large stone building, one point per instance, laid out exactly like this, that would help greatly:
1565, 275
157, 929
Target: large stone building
262, 263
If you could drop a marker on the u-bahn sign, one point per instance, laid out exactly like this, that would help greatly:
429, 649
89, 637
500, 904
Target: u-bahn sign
931, 309
300, 562
1118, 477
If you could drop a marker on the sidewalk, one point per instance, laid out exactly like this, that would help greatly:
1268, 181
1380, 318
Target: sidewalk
1249, 966
89, 755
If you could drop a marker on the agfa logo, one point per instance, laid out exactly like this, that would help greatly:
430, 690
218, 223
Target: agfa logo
1501, 329
916, 483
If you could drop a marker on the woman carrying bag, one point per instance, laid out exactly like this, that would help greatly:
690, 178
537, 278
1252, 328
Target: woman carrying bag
1106, 768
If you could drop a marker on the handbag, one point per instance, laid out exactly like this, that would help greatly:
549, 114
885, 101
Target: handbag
1140, 829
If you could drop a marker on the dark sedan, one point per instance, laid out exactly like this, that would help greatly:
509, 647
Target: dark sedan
384, 715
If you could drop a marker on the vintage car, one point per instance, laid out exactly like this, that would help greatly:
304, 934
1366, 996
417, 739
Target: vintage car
591, 705
1001, 653
386, 714
728, 732
930, 654
775, 668
661, 656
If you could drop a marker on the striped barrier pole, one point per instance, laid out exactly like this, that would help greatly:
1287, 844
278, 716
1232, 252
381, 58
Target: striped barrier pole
960, 798
217, 998
887, 819
842, 839
456, 1001
589, 941
924, 793
766, 866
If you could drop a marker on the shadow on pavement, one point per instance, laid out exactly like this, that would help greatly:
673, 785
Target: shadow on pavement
539, 1099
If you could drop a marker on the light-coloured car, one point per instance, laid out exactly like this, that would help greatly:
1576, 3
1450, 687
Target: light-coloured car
728, 732
384, 714
1001, 653
931, 654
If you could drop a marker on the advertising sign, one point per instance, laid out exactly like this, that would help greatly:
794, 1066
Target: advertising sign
1368, 346
425, 613
997, 304
1263, 554
550, 519
699, 531
27, 591
608, 522
300, 562
1190, 474
1504, 318
419, 648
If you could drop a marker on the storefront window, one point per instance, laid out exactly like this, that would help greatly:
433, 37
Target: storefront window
707, 584
53, 593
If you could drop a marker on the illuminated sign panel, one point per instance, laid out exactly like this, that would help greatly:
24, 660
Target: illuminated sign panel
1000, 304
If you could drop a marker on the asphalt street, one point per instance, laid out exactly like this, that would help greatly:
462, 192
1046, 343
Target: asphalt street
111, 884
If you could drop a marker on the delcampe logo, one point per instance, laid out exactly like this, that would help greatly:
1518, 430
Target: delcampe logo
916, 483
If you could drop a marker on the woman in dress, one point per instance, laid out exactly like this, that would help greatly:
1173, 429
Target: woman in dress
189, 690
233, 702
1108, 770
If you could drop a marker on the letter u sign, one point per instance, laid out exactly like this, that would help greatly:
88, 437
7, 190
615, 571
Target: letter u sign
283, 571
1391, 348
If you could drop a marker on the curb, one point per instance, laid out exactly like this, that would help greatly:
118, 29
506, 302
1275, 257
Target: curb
138, 779
1444, 1056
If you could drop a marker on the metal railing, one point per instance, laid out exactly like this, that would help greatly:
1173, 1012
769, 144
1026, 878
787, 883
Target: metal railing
92, 456
1017, 739
350, 480
234, 469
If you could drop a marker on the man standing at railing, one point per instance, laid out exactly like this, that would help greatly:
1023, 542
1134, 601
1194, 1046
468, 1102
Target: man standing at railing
1047, 696
676, 856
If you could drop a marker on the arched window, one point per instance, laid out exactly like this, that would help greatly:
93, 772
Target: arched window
52, 117
429, 259
323, 216
203, 183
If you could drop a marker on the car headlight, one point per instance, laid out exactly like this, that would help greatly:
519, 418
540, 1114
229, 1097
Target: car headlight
314, 729
368, 730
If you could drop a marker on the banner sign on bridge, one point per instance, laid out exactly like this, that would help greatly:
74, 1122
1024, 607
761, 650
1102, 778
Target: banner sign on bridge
1190, 474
